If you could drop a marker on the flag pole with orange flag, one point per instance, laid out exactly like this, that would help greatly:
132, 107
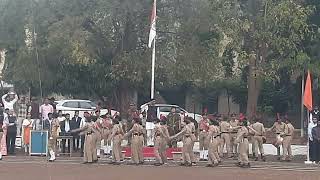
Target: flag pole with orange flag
307, 102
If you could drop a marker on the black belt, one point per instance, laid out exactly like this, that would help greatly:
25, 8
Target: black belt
89, 133
224, 132
278, 133
288, 135
137, 134
245, 137
187, 136
1, 130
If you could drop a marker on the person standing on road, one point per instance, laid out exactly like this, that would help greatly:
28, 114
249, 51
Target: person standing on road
22, 114
45, 109
75, 124
27, 126
12, 132
203, 138
213, 136
9, 100
97, 119
234, 123
151, 116
187, 150
116, 136
242, 139
258, 138
174, 124
279, 130
52, 124
90, 152
225, 136
311, 125
286, 144
161, 136
316, 142
137, 141
65, 127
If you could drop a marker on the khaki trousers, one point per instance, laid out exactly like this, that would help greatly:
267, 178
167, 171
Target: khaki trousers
136, 148
187, 150
258, 145
243, 151
213, 151
160, 146
286, 146
225, 140
116, 148
203, 140
90, 152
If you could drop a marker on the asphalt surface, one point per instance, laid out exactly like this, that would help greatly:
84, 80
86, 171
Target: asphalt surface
37, 168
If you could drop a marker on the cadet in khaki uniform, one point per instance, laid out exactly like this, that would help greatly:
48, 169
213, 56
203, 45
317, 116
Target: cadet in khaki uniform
53, 134
286, 144
90, 151
234, 123
193, 138
116, 137
242, 139
279, 129
136, 141
213, 136
203, 138
161, 137
187, 150
258, 131
225, 136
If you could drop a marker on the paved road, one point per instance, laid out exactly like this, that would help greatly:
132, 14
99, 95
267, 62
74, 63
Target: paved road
71, 169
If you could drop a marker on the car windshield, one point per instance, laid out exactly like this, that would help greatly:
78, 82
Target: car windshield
92, 104
168, 109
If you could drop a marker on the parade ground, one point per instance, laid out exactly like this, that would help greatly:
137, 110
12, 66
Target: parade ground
37, 168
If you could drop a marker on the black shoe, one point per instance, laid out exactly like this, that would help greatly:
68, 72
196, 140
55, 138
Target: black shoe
219, 162
95, 161
142, 162
209, 165
112, 162
189, 164
85, 163
238, 164
245, 165
256, 159
158, 164
182, 164
263, 158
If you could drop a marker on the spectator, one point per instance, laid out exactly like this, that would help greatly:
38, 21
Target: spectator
11, 122
27, 125
65, 130
316, 142
82, 124
75, 124
9, 100
45, 109
22, 114
53, 104
311, 125
60, 116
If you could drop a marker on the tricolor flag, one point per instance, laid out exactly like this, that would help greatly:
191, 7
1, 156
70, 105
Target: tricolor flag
153, 32
307, 97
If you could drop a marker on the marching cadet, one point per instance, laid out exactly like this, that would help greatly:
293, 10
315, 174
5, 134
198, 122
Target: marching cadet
286, 144
161, 136
279, 130
193, 138
136, 141
98, 136
234, 123
106, 127
242, 139
116, 137
52, 125
203, 137
90, 151
187, 150
213, 136
225, 136
258, 132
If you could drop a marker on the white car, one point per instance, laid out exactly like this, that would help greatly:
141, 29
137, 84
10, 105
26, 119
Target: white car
72, 105
165, 109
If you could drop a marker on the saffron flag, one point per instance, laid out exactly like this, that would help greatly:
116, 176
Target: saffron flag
153, 32
307, 97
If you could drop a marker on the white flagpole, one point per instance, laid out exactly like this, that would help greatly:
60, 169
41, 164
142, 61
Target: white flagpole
153, 67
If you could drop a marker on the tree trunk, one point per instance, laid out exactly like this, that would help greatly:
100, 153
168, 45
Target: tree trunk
254, 87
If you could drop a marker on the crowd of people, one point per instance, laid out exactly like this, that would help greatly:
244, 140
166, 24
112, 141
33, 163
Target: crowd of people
220, 137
